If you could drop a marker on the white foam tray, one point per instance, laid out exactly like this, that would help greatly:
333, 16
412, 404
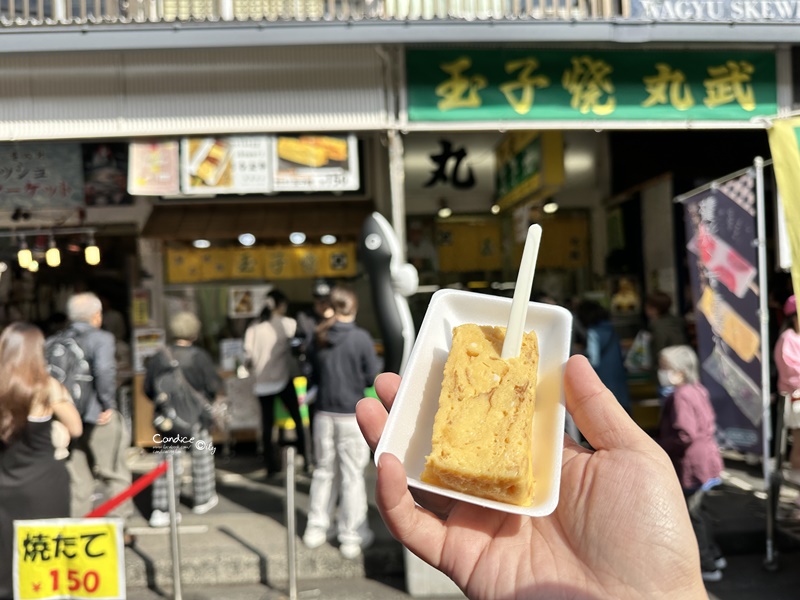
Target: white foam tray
409, 428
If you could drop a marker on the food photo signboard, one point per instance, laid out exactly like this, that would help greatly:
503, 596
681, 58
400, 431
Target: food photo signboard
153, 168
225, 165
315, 163
246, 302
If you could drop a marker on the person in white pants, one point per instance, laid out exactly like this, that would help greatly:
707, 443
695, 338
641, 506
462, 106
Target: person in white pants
347, 365
342, 455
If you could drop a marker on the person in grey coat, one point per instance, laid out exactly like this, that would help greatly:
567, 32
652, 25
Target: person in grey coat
99, 454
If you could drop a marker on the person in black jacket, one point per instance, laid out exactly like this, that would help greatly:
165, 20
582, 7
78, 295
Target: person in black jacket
200, 372
347, 364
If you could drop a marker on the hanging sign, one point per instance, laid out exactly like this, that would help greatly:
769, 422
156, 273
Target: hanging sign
226, 165
315, 163
147, 341
306, 260
721, 228
106, 174
246, 302
153, 169
470, 246
68, 559
530, 166
183, 266
215, 264
190, 265
246, 263
493, 85
337, 261
141, 307
41, 176
278, 263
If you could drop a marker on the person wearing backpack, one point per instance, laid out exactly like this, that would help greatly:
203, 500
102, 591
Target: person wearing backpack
98, 456
184, 378
34, 482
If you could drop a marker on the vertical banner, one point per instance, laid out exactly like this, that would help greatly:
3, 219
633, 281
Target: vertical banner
721, 229
784, 143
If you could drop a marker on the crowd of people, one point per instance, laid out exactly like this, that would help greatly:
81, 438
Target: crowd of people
54, 457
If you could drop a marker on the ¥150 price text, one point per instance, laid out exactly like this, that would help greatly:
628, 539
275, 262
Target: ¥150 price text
74, 581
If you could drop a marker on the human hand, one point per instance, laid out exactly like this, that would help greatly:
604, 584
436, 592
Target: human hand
105, 416
621, 529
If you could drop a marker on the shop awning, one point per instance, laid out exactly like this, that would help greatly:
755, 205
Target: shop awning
146, 93
267, 221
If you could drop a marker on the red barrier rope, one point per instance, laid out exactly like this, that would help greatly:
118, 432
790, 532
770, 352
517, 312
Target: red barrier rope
136, 487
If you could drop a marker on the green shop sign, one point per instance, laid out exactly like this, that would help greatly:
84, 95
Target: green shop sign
489, 85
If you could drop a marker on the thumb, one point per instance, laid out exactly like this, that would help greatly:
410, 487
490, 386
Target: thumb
597, 413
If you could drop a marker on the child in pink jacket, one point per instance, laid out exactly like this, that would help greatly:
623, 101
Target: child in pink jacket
687, 433
787, 360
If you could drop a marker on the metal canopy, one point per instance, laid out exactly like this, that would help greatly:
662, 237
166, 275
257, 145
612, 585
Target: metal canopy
71, 95
229, 35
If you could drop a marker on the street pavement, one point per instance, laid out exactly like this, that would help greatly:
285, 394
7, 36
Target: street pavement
239, 550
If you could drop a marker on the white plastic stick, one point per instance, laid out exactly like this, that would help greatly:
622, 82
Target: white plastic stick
522, 294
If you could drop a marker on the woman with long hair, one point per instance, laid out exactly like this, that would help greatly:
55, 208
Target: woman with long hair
34, 483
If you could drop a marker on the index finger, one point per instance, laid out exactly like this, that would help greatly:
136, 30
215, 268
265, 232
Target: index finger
372, 414
386, 385
371, 417
596, 411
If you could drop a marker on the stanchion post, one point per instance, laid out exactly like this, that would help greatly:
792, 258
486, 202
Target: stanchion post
772, 560
291, 526
175, 549
763, 317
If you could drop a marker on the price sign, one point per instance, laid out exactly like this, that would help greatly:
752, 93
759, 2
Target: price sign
79, 559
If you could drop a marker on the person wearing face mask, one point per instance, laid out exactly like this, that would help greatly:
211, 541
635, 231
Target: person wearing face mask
687, 434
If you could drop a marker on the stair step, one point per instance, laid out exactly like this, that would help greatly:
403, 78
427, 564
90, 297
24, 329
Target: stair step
245, 549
